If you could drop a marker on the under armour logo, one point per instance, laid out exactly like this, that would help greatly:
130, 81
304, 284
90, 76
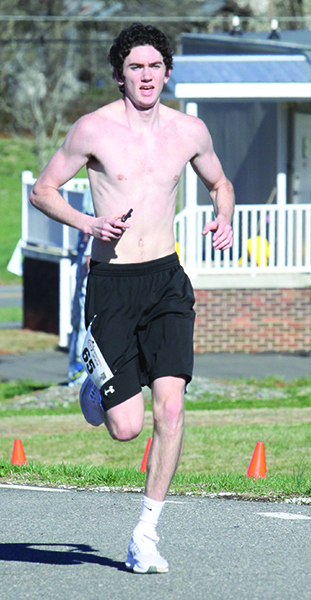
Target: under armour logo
110, 390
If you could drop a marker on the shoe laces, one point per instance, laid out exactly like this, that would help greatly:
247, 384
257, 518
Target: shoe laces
94, 393
146, 544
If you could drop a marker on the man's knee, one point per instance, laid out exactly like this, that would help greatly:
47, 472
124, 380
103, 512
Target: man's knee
168, 404
125, 421
171, 413
123, 432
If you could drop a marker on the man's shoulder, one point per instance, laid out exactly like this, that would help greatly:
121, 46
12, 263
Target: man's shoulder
183, 120
193, 124
99, 117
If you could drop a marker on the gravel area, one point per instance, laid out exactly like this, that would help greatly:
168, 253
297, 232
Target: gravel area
216, 389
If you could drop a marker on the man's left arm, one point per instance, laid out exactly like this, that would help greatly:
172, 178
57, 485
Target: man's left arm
208, 167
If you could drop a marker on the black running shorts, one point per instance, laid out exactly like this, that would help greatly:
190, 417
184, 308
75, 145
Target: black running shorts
142, 320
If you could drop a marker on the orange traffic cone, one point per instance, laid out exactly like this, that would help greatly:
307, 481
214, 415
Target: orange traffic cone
143, 466
18, 456
257, 466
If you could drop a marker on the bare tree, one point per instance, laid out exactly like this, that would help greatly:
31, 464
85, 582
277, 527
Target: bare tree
35, 92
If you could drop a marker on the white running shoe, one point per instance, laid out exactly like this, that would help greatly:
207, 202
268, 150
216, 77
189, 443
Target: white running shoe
143, 556
90, 402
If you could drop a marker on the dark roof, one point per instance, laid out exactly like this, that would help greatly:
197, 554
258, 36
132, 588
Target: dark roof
198, 71
241, 69
252, 42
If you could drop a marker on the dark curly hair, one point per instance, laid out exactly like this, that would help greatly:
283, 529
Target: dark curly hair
138, 35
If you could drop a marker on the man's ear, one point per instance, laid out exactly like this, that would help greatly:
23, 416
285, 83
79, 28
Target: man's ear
167, 75
118, 79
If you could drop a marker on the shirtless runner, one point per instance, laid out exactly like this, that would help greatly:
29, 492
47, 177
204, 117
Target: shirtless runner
139, 300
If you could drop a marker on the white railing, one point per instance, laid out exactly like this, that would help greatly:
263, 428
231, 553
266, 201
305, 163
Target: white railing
38, 229
267, 238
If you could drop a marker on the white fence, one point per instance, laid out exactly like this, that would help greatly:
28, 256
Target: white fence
267, 238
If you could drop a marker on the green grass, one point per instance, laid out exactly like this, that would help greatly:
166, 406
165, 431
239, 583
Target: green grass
210, 446
9, 389
62, 449
16, 156
276, 487
11, 314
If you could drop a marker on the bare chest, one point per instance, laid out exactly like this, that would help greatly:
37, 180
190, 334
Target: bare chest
125, 158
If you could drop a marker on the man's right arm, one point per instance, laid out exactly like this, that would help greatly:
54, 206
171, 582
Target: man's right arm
64, 164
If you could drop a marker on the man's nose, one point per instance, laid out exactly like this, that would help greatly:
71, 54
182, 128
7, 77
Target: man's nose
146, 74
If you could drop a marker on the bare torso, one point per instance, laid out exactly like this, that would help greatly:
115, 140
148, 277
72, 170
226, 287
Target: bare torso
138, 170
135, 158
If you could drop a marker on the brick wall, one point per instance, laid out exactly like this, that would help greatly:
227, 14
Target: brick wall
253, 320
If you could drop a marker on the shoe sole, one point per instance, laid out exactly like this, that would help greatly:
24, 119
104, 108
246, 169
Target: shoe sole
151, 569
82, 390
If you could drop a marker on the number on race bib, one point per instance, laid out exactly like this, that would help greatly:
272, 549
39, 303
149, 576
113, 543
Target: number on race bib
88, 361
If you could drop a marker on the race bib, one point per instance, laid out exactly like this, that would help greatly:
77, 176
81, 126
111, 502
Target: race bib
94, 363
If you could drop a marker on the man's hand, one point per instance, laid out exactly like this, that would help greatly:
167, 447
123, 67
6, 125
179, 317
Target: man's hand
110, 228
223, 236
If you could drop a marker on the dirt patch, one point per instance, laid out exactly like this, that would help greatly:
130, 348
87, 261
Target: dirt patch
18, 341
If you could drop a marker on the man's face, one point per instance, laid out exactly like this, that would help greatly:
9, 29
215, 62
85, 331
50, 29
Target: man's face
144, 75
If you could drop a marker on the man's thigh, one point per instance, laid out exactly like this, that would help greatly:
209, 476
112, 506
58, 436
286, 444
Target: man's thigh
125, 420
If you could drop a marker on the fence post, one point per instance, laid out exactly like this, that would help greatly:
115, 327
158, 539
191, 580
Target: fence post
27, 178
281, 203
64, 301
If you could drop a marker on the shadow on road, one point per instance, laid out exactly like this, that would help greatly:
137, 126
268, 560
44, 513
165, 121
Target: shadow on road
75, 554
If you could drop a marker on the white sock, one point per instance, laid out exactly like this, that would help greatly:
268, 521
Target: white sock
149, 517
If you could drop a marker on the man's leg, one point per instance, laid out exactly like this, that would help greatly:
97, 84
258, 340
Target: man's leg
168, 435
123, 421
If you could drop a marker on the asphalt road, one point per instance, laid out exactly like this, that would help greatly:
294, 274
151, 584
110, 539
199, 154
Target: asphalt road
52, 366
72, 545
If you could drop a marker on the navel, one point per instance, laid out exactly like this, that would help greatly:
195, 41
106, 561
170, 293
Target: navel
141, 242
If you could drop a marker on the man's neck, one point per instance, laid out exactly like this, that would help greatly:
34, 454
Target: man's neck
140, 118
